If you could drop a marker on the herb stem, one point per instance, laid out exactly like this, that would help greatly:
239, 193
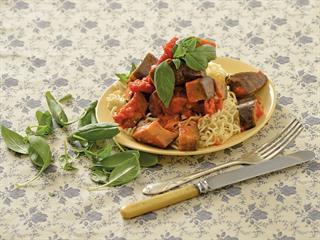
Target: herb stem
118, 145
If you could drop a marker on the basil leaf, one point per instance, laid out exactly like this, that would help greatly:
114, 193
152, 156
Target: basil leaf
14, 141
97, 175
164, 82
65, 160
177, 63
45, 123
198, 58
124, 77
117, 159
66, 99
148, 159
104, 152
184, 46
124, 173
56, 110
35, 158
38, 146
89, 115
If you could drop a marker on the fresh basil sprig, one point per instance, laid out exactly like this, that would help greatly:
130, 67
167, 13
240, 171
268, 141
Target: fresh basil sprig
198, 58
148, 159
45, 125
66, 99
124, 77
126, 171
89, 115
40, 155
164, 82
94, 132
65, 160
14, 141
57, 111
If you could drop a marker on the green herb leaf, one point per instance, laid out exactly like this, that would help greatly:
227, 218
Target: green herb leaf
97, 175
89, 115
177, 63
198, 58
124, 173
148, 159
38, 146
14, 141
66, 99
123, 77
114, 160
164, 82
45, 123
184, 46
94, 132
56, 110
65, 160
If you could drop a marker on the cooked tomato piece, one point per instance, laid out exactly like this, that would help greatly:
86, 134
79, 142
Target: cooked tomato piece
154, 134
168, 50
141, 86
207, 42
259, 109
132, 112
209, 106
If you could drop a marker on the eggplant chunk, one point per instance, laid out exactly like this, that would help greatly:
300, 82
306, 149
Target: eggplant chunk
144, 67
188, 136
184, 74
200, 89
154, 134
246, 83
247, 114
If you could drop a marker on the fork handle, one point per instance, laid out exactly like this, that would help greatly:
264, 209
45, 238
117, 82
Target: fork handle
160, 187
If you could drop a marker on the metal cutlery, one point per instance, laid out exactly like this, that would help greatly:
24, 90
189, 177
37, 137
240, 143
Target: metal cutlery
265, 152
213, 183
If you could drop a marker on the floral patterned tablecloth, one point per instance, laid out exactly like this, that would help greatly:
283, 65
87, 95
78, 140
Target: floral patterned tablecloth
76, 47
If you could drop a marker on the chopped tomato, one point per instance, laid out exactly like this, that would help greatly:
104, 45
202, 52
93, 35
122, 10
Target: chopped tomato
208, 42
141, 86
168, 50
132, 112
240, 91
258, 109
209, 106
219, 103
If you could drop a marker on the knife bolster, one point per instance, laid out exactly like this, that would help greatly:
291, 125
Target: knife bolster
203, 186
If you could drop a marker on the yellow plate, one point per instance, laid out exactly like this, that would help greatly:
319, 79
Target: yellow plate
266, 95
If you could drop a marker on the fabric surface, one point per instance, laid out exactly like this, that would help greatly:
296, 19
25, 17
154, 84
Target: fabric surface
76, 47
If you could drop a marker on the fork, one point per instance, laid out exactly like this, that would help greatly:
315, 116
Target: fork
266, 152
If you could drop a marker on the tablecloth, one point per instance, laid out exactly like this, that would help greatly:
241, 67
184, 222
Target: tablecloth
69, 46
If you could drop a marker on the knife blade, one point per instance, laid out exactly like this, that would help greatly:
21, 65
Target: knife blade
245, 173
214, 183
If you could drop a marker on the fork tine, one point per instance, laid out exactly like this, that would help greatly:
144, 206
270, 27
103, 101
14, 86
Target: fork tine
280, 148
288, 129
279, 141
282, 143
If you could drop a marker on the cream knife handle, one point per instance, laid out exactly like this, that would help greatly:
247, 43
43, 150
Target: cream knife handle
160, 187
159, 201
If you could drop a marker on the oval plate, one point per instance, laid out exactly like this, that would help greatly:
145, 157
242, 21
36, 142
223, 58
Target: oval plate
266, 96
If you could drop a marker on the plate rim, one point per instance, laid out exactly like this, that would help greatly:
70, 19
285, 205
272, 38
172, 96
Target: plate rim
207, 150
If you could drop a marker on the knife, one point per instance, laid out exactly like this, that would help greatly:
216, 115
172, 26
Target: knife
214, 183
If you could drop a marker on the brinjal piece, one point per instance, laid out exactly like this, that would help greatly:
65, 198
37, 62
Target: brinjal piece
200, 89
246, 83
184, 73
144, 67
247, 114
154, 134
188, 136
